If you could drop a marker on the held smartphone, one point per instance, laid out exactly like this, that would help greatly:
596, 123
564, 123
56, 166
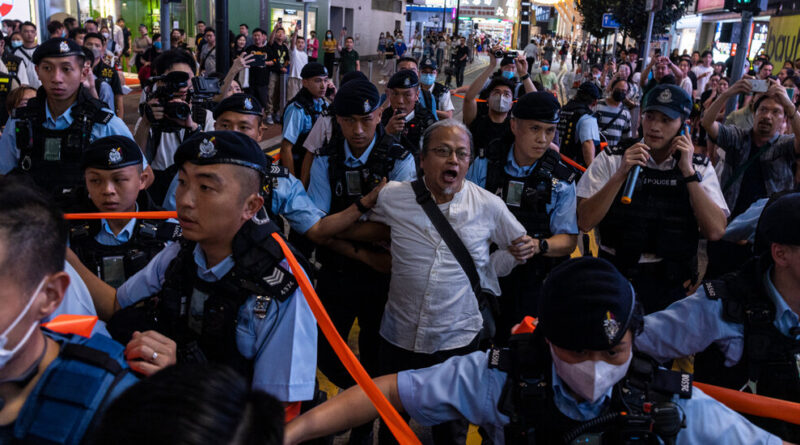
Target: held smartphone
790, 93
299, 24
758, 85
259, 60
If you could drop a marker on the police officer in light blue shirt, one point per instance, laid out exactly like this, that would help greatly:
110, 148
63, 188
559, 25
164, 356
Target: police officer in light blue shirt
300, 114
47, 138
573, 378
744, 326
539, 190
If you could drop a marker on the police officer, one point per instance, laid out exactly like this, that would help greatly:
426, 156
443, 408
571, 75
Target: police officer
573, 378
539, 190
433, 95
300, 114
224, 292
48, 137
36, 363
406, 118
653, 240
746, 322
14, 64
578, 134
353, 163
118, 248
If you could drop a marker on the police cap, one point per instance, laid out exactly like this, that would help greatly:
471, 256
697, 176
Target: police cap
669, 99
586, 304
590, 89
428, 63
239, 103
403, 79
539, 106
111, 153
57, 47
780, 221
357, 97
222, 147
313, 69
353, 75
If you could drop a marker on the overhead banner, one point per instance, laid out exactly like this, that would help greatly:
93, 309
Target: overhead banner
783, 39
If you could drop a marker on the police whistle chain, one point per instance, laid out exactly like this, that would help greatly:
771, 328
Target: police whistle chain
400, 429
630, 184
122, 215
753, 404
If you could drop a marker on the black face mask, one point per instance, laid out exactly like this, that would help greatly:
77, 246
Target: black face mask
618, 95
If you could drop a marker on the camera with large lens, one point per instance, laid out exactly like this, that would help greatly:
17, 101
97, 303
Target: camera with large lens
203, 91
164, 89
499, 54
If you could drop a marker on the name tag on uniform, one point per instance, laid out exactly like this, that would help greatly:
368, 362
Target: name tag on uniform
52, 149
114, 270
196, 309
514, 195
353, 183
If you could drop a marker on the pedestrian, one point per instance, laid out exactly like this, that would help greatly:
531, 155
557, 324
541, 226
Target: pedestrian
312, 46
329, 44
299, 58
140, 45
390, 57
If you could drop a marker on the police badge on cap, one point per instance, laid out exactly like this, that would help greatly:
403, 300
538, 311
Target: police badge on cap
63, 47
115, 156
367, 106
665, 97
248, 104
611, 327
207, 149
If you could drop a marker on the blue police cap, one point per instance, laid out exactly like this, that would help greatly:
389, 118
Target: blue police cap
585, 303
403, 79
222, 147
57, 47
669, 99
539, 106
111, 153
357, 97
239, 103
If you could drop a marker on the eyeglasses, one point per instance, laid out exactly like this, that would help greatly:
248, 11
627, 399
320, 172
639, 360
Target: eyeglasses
446, 152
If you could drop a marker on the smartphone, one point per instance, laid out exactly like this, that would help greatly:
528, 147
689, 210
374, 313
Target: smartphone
758, 85
790, 93
259, 60
299, 24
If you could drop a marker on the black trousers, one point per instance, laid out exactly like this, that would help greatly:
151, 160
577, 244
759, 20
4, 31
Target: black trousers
261, 93
460, 73
394, 359
530, 61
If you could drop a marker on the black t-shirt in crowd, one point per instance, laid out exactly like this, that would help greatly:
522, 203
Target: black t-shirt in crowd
753, 187
462, 51
280, 55
259, 76
390, 52
109, 75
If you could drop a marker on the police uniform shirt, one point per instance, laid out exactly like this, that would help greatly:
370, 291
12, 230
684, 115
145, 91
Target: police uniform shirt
169, 142
464, 386
283, 345
107, 237
443, 102
9, 153
26, 54
106, 95
604, 166
743, 227
297, 121
289, 199
562, 207
319, 187
587, 130
77, 301
665, 335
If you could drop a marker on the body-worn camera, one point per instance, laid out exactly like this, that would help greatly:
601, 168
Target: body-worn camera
501, 54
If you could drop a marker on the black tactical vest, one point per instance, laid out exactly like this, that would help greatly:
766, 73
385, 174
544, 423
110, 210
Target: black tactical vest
641, 409
569, 116
659, 220
53, 157
770, 363
5, 88
411, 137
306, 102
13, 64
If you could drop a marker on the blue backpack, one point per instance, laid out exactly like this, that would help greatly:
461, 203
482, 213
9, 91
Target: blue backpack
85, 377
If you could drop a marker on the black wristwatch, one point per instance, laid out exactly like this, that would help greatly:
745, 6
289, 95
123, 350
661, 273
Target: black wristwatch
696, 177
543, 246
525, 77
361, 207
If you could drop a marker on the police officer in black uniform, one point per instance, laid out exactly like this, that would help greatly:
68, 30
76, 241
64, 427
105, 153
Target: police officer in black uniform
652, 235
406, 118
117, 249
48, 137
576, 134
539, 190
748, 336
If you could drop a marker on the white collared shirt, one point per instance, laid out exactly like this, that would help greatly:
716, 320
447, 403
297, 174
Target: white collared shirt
431, 305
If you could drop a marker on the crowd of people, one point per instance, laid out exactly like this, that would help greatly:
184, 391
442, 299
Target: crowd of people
445, 236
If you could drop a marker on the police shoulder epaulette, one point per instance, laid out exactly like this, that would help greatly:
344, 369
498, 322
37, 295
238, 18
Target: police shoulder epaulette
564, 172
616, 150
700, 159
397, 151
278, 171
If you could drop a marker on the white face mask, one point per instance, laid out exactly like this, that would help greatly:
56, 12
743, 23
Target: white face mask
5, 354
500, 103
590, 379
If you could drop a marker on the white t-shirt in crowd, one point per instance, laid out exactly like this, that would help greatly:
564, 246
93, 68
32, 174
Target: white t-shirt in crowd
299, 60
699, 70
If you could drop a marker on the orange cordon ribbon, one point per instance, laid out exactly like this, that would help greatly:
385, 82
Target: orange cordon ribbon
402, 432
123, 215
573, 163
72, 324
753, 404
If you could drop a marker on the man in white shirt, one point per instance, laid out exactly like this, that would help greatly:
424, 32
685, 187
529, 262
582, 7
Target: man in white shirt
531, 53
25, 52
703, 71
432, 312
299, 58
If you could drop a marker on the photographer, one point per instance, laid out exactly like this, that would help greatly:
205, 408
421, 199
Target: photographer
258, 69
167, 118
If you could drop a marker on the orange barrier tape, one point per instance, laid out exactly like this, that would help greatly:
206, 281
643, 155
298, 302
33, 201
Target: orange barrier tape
754, 404
72, 324
122, 215
402, 432
572, 163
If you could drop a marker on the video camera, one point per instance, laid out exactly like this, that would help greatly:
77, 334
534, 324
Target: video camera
168, 88
499, 54
202, 94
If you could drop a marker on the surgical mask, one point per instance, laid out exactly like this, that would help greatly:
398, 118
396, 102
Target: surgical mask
399, 40
545, 68
157, 45
5, 354
590, 379
596, 76
427, 79
16, 43
106, 35
618, 95
499, 103
98, 53
508, 75
329, 35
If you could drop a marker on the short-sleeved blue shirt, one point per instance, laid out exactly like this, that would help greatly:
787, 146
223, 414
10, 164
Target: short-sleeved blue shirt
296, 121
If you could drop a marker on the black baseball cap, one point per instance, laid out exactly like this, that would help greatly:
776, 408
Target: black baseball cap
669, 99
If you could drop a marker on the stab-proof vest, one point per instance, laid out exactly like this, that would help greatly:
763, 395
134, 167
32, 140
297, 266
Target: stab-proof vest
53, 157
5, 88
202, 316
304, 99
115, 264
411, 136
659, 220
641, 410
770, 363
430, 98
569, 116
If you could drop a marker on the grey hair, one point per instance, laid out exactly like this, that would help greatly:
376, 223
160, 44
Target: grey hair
445, 123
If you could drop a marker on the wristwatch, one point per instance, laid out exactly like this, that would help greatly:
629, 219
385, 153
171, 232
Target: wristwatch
696, 177
361, 207
525, 77
543, 246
